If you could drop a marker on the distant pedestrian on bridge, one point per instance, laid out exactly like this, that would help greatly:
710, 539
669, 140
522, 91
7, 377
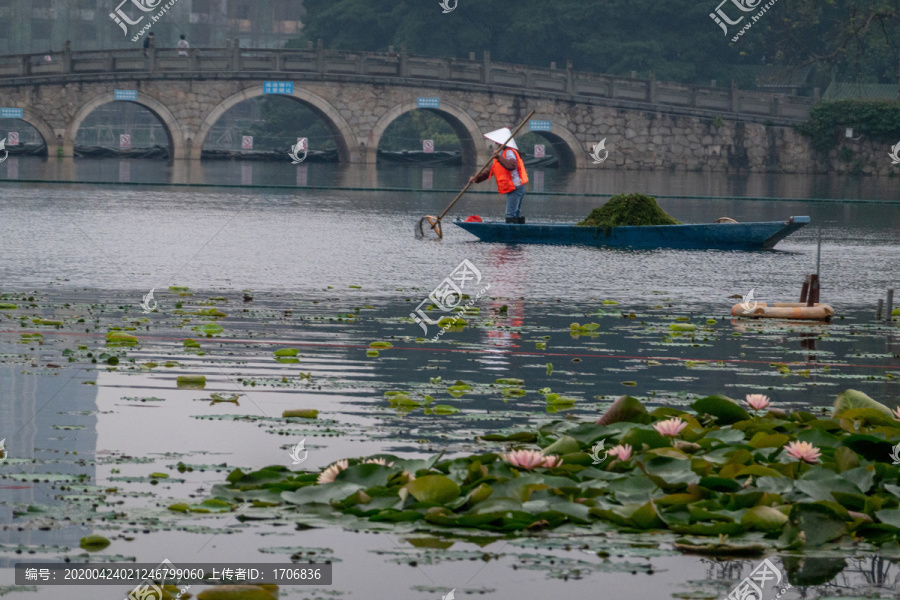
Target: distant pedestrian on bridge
183, 46
509, 171
147, 41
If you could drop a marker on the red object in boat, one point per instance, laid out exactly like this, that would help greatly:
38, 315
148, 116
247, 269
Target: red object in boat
474, 219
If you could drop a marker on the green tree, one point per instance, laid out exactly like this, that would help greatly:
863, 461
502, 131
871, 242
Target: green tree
852, 40
408, 130
283, 120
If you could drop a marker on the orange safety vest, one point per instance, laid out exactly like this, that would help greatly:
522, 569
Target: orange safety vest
504, 177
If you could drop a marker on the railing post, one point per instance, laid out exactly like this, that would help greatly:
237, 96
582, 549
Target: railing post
67, 57
24, 65
651, 88
279, 60
361, 64
693, 103
570, 78
193, 60
775, 106
320, 56
733, 97
236, 55
404, 61
486, 68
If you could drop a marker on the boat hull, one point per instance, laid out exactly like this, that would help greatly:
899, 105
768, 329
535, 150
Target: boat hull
700, 236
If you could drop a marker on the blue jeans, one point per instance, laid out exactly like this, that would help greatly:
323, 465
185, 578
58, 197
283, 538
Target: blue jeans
514, 202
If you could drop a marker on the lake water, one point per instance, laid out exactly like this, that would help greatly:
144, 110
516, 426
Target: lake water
328, 271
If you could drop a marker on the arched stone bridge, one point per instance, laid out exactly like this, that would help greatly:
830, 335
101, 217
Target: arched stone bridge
359, 94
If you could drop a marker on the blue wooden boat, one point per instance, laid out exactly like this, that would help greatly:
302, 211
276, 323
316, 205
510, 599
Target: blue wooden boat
698, 236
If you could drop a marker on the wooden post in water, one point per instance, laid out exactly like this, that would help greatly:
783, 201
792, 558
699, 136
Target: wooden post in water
818, 253
804, 291
889, 307
813, 298
878, 309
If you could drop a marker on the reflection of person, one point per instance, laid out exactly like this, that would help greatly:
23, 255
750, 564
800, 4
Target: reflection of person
147, 42
509, 172
183, 46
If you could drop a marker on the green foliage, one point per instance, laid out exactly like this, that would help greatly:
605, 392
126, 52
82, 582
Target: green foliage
631, 209
609, 36
854, 399
283, 120
846, 40
718, 485
877, 120
408, 130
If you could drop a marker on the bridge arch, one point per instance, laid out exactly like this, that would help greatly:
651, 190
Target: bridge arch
466, 129
160, 111
43, 127
571, 151
340, 129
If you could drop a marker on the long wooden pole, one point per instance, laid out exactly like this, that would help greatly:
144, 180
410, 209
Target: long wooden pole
458, 196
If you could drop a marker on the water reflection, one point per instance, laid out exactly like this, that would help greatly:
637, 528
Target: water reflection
440, 177
49, 422
816, 576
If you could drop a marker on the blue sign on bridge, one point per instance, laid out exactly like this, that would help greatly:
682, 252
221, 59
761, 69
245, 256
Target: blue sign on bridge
12, 113
539, 125
278, 87
125, 94
428, 102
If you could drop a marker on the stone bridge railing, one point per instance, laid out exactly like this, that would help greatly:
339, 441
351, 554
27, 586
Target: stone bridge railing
404, 70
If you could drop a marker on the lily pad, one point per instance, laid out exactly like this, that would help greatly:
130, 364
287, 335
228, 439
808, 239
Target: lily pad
239, 592
437, 489
209, 329
850, 399
118, 338
724, 409
94, 543
303, 413
191, 382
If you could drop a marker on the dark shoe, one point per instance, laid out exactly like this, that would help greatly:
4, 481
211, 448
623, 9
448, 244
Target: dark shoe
512, 220
521, 220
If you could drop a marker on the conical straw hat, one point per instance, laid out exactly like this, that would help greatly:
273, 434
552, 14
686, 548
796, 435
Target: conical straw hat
500, 136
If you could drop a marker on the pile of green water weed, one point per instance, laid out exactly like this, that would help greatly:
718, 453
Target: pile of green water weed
630, 209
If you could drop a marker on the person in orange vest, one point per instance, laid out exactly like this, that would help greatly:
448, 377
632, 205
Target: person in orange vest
509, 172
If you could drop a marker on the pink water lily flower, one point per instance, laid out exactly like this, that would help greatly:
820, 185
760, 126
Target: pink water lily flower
552, 461
328, 475
803, 451
757, 401
378, 461
531, 459
670, 427
621, 452
897, 414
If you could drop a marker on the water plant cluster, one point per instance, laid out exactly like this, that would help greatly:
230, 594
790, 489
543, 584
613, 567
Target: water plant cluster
628, 209
791, 480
